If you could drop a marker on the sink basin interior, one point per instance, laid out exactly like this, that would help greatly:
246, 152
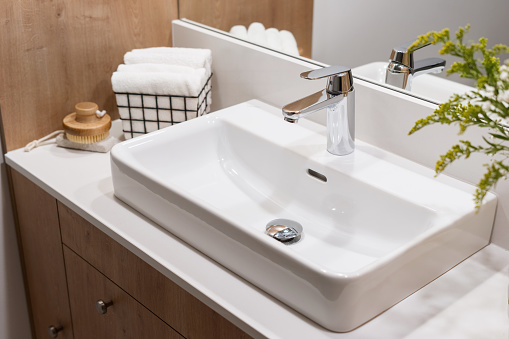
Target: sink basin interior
252, 179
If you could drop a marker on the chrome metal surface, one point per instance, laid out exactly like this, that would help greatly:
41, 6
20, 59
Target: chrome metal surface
339, 99
339, 78
324, 72
398, 75
400, 54
102, 306
402, 68
284, 230
429, 65
53, 331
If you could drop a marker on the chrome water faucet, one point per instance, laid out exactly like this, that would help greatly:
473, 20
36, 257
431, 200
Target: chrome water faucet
339, 99
402, 68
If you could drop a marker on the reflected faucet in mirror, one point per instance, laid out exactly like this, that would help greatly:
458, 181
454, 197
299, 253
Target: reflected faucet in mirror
339, 99
402, 68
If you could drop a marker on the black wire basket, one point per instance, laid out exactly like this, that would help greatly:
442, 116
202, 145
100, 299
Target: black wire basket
144, 113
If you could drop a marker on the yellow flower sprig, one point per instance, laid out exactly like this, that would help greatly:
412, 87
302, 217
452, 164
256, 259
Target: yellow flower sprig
485, 107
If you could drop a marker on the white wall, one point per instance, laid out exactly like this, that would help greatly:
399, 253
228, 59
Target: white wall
355, 33
14, 323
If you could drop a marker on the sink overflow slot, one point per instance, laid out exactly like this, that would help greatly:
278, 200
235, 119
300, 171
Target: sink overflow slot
317, 175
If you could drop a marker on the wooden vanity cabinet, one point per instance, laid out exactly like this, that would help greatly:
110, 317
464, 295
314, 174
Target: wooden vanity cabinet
186, 314
43, 261
70, 265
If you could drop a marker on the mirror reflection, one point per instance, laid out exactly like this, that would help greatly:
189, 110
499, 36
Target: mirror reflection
359, 34
264, 22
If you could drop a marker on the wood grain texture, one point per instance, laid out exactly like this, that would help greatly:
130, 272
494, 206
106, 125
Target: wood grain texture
295, 16
125, 319
43, 260
186, 314
57, 53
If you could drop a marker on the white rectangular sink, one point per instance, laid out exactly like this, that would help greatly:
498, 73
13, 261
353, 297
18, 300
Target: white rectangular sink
376, 227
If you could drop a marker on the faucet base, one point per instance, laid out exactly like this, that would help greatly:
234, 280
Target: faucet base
341, 126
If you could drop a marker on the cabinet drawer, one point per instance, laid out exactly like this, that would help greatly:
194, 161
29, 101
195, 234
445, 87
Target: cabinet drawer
186, 314
100, 309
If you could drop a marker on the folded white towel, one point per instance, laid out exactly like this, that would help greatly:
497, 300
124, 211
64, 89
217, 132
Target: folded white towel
282, 41
239, 31
166, 86
288, 43
191, 57
150, 68
256, 34
273, 39
161, 83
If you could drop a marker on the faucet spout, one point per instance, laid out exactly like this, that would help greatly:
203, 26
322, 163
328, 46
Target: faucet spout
339, 100
429, 65
310, 104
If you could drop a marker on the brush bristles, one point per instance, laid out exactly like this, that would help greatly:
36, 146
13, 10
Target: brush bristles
87, 139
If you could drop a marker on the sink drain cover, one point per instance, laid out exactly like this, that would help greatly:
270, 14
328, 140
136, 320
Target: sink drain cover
284, 230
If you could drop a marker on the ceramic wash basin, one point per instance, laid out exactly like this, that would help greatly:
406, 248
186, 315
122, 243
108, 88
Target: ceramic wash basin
426, 86
376, 227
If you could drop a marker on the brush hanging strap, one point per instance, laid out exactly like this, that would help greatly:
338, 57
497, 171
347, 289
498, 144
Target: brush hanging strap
49, 139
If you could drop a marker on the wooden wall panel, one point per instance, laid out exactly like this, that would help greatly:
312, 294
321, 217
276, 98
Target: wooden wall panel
56, 53
293, 15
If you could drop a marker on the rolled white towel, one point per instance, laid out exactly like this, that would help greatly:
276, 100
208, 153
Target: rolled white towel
273, 39
288, 43
154, 68
256, 34
191, 57
239, 31
160, 83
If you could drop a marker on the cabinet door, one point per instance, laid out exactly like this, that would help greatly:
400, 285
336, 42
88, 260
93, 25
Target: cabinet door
43, 261
100, 309
176, 307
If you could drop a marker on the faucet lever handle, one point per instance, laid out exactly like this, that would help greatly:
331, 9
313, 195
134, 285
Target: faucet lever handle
401, 55
324, 72
339, 78
403, 48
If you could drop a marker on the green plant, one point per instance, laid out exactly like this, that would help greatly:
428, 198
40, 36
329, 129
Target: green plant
487, 106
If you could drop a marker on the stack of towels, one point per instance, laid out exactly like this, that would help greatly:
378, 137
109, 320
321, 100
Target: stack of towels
282, 41
160, 86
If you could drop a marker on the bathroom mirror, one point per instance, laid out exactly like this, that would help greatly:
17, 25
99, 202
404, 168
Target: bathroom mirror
295, 16
362, 34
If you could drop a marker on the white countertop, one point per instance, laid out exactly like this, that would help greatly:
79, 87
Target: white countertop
469, 301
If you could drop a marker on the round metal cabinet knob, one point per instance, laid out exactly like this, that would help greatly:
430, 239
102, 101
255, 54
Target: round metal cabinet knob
102, 306
53, 331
